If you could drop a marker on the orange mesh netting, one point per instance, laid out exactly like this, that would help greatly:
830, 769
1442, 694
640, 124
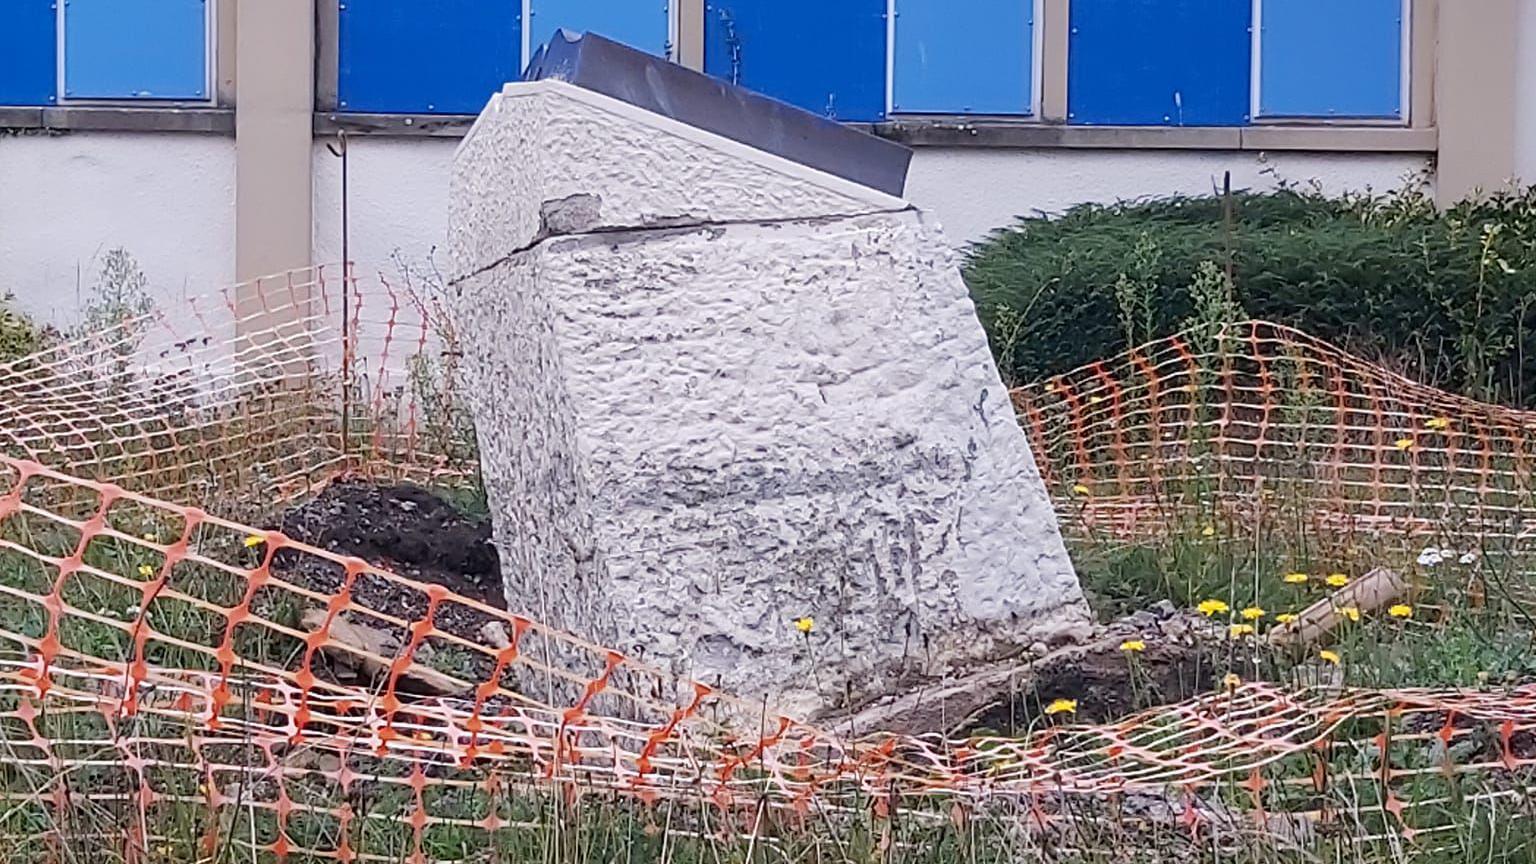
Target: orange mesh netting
1259, 422
165, 668
166, 673
239, 397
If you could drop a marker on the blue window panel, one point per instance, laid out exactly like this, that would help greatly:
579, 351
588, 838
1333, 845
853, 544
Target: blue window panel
426, 56
642, 24
826, 56
1331, 58
135, 49
964, 56
1160, 62
28, 68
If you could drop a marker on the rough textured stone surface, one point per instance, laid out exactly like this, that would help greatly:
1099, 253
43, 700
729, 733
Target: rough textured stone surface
545, 142
692, 436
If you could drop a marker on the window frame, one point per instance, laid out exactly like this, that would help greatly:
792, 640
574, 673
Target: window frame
1036, 72
1046, 128
672, 29
1097, 104
211, 95
328, 60
1408, 38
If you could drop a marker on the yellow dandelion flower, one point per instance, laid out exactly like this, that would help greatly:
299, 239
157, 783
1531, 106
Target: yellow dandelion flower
1231, 681
1438, 423
1329, 656
1295, 578
1253, 613
1284, 618
1062, 706
1081, 489
254, 540
150, 536
1212, 607
1240, 630
1208, 531
1350, 612
1133, 646
1401, 610
805, 624
1403, 443
146, 571
1337, 580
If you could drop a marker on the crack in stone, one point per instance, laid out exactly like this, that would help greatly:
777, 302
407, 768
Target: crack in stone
666, 228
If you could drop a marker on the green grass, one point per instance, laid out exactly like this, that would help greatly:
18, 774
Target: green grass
1451, 640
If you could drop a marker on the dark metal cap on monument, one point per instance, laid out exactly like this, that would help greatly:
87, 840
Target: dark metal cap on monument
662, 87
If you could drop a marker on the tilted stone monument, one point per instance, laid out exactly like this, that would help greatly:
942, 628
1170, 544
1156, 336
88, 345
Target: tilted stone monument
719, 392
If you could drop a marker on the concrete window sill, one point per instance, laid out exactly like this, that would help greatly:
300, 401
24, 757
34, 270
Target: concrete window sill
933, 132
410, 125
95, 118
982, 133
952, 132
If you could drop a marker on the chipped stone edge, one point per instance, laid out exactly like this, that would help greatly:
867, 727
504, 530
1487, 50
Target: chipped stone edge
727, 147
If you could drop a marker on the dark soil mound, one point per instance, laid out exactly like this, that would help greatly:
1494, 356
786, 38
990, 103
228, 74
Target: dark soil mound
414, 534
405, 529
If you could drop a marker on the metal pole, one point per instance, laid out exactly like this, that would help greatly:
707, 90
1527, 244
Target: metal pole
1226, 225
340, 151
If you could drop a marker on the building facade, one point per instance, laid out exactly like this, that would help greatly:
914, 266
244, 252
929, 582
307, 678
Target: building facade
204, 144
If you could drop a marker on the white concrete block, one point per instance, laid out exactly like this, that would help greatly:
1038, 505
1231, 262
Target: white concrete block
548, 158
693, 435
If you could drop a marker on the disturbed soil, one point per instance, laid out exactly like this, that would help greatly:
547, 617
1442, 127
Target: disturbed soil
1105, 681
410, 532
405, 529
1102, 684
414, 533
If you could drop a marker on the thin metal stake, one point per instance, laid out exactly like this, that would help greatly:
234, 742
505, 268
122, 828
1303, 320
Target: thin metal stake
340, 152
1226, 226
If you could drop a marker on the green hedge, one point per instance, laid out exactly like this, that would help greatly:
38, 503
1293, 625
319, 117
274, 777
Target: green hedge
1446, 297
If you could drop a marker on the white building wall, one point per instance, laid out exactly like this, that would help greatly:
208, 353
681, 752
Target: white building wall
400, 187
398, 201
975, 191
169, 199
65, 200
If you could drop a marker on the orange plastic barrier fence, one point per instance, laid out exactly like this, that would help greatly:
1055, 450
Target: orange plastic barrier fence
164, 666
240, 398
1259, 423
167, 674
